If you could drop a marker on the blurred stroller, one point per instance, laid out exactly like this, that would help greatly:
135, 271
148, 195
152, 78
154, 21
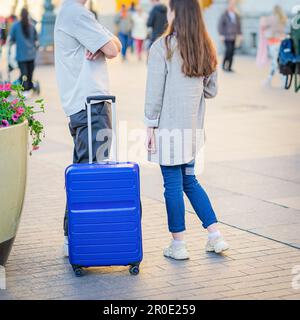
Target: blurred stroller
289, 54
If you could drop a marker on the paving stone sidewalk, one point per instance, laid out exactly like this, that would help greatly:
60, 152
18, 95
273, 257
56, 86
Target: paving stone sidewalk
254, 267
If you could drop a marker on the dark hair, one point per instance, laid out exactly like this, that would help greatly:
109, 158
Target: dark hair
194, 43
25, 22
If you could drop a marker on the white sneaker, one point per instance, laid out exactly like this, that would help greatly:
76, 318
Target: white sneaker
66, 247
217, 245
177, 252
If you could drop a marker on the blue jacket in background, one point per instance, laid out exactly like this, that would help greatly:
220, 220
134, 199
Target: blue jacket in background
26, 47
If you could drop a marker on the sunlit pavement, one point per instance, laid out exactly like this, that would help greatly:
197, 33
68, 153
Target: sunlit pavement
251, 175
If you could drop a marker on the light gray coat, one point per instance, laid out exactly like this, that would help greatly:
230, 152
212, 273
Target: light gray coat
175, 106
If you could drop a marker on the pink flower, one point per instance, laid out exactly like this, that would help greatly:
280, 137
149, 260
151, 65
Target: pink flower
15, 101
20, 111
5, 87
5, 123
15, 117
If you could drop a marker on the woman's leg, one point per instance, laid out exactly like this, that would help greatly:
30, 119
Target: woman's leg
198, 196
203, 209
176, 212
172, 176
139, 48
23, 74
30, 68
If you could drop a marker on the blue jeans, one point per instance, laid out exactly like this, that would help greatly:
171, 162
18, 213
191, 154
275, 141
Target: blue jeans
124, 38
179, 179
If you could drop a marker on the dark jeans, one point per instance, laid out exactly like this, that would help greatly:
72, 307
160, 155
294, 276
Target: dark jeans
101, 119
178, 180
229, 54
26, 70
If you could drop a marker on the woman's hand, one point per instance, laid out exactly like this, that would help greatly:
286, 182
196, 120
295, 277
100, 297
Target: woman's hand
150, 141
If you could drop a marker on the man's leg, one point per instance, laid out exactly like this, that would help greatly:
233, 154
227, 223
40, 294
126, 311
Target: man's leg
231, 54
101, 120
226, 55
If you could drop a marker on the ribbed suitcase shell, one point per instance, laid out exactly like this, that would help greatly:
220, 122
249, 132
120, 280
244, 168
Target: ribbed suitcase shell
104, 211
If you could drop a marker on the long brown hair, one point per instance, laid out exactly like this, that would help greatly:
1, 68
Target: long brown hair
25, 22
195, 45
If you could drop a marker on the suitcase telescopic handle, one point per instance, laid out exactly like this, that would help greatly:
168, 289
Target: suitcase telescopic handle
96, 100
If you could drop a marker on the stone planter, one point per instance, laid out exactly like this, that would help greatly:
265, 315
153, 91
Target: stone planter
13, 170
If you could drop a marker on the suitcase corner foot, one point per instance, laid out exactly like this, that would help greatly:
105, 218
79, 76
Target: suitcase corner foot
134, 269
77, 270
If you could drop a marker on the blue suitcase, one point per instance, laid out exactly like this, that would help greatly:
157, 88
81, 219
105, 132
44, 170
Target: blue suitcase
104, 209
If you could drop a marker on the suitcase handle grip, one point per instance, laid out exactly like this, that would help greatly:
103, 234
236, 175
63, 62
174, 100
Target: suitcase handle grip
98, 99
101, 98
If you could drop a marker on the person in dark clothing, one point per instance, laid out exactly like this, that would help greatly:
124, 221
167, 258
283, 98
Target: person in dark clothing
229, 29
24, 34
157, 20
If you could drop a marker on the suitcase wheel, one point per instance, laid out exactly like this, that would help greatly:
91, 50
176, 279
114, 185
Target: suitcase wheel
77, 270
134, 270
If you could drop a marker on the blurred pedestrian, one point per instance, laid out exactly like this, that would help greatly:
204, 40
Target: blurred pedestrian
139, 30
274, 27
181, 75
230, 32
123, 22
157, 20
132, 10
24, 35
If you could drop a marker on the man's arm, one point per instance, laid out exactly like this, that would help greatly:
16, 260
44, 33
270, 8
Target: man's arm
95, 38
222, 25
239, 24
12, 35
110, 50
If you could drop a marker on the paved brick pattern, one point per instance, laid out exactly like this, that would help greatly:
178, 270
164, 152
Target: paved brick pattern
254, 268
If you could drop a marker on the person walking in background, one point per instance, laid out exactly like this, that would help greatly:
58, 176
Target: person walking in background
24, 35
139, 30
181, 74
123, 22
157, 20
274, 30
230, 31
82, 46
132, 10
